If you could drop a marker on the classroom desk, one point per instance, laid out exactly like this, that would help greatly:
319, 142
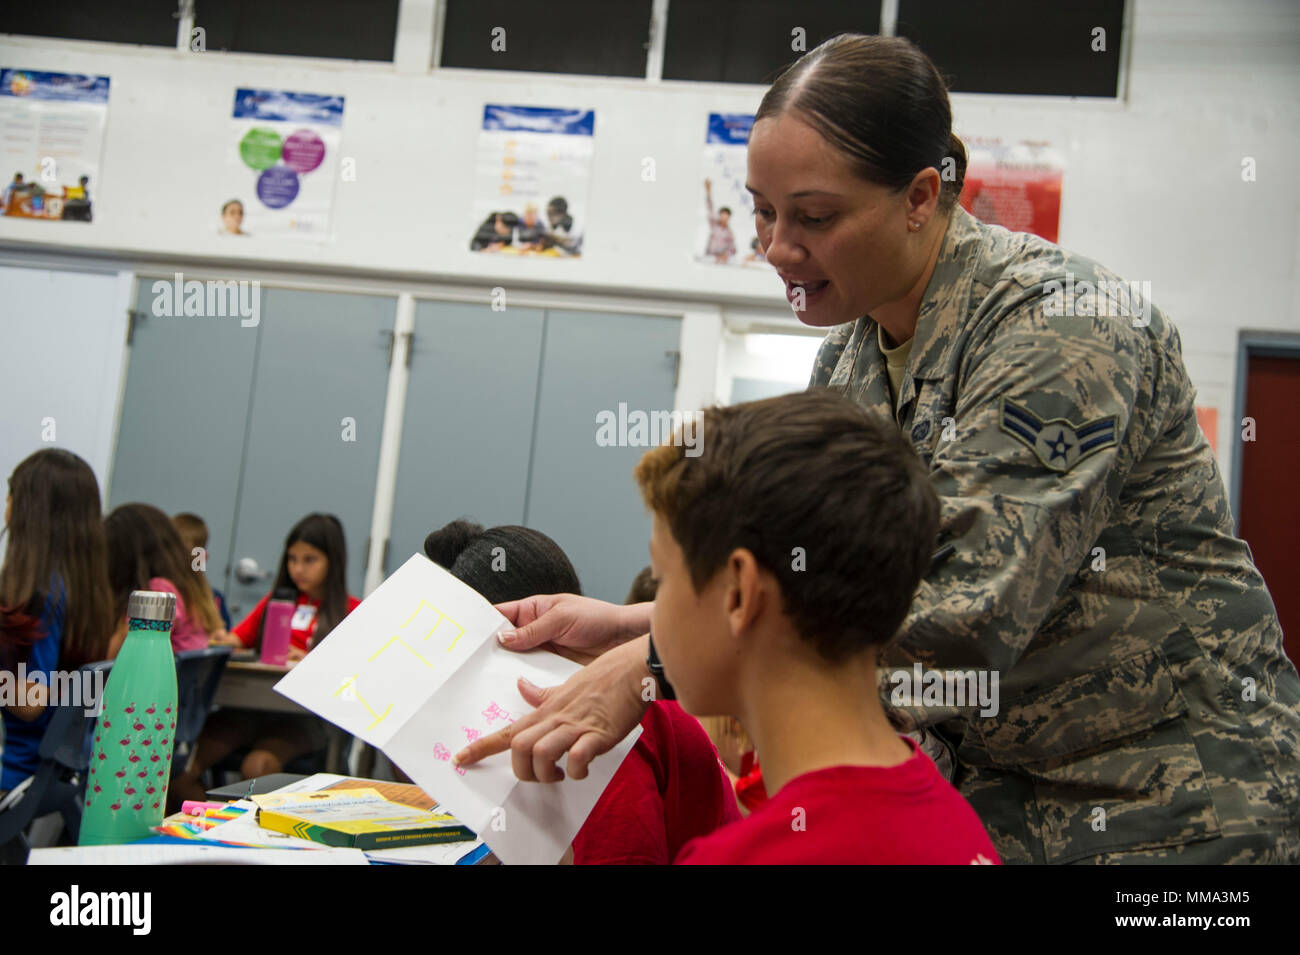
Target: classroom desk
405, 793
248, 685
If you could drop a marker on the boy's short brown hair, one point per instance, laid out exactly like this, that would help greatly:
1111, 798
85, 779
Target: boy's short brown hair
830, 499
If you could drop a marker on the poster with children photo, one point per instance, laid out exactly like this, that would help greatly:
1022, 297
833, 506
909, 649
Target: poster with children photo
51, 136
532, 175
282, 163
725, 233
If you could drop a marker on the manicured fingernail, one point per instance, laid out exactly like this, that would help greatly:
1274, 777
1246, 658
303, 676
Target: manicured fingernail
506, 637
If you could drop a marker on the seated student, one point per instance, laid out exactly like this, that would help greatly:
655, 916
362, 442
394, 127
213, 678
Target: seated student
671, 787
734, 748
54, 588
529, 231
314, 564
194, 535
560, 233
19, 632
643, 587
760, 545
146, 553
496, 231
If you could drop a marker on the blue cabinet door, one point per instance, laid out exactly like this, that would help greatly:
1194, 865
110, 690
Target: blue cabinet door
582, 493
468, 426
180, 438
314, 421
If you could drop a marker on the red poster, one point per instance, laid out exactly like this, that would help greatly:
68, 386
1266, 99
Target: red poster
1208, 418
1017, 186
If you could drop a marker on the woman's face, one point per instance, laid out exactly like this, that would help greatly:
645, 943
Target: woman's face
308, 567
820, 224
233, 217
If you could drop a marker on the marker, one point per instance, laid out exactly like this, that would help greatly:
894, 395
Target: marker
194, 807
223, 814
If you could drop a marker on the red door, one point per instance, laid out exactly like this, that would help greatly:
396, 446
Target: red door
1269, 506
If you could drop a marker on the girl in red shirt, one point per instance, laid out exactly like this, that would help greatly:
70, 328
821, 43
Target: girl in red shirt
314, 565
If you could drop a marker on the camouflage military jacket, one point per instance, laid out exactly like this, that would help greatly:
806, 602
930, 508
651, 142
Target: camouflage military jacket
1145, 702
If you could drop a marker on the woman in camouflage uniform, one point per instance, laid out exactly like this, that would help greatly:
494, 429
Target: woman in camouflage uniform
1146, 709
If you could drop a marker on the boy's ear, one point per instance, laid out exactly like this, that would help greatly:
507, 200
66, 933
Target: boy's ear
744, 591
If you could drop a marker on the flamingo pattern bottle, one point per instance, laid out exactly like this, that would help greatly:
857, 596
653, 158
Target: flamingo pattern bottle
131, 756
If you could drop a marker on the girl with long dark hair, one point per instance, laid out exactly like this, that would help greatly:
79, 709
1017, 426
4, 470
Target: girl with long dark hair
55, 573
314, 564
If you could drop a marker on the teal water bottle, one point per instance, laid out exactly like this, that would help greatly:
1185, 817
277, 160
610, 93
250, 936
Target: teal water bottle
131, 760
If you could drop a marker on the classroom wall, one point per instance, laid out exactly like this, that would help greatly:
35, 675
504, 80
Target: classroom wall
1152, 188
62, 342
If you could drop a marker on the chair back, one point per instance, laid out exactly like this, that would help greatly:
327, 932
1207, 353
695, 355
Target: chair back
60, 779
198, 672
68, 737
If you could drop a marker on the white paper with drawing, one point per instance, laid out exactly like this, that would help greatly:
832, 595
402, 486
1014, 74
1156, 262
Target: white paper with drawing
416, 670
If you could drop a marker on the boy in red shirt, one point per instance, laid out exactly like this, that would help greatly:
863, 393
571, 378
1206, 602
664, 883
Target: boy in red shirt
788, 550
671, 788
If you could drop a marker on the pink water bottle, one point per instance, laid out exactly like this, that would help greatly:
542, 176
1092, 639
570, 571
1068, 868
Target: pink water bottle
276, 627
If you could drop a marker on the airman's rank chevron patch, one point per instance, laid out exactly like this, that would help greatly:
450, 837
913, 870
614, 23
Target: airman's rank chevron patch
1059, 444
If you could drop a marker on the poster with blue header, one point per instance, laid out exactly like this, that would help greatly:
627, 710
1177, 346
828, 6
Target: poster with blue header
51, 136
724, 231
532, 174
281, 166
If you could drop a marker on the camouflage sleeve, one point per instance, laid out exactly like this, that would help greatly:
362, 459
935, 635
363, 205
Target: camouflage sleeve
1048, 416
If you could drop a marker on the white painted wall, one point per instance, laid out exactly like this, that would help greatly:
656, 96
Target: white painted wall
1152, 188
62, 336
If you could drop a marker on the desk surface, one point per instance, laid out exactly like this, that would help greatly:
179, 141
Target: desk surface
250, 685
256, 666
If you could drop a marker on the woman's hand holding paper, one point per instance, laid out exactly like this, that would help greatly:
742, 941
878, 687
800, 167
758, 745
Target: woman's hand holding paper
585, 716
567, 620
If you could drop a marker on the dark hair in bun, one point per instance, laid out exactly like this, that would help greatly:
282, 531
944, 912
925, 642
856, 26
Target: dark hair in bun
882, 102
502, 563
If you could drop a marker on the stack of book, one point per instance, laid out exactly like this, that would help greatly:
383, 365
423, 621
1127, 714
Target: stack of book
357, 819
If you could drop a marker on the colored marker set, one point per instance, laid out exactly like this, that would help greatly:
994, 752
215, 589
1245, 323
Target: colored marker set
205, 815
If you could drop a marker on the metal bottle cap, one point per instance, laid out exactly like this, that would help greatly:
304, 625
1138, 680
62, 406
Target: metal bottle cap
151, 605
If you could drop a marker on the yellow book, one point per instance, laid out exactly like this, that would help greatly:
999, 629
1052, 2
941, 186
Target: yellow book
356, 819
